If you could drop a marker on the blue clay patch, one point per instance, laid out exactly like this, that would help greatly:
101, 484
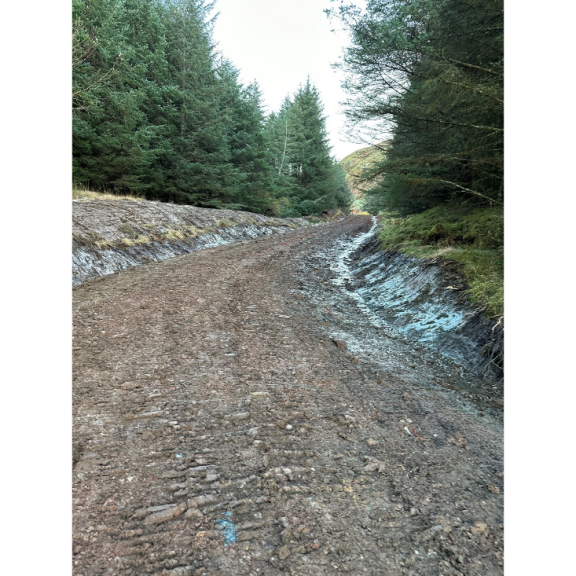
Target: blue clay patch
228, 529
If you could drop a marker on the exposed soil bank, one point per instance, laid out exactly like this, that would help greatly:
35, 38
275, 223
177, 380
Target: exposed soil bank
424, 300
112, 235
389, 316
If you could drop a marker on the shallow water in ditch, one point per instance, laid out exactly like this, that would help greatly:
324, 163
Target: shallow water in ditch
372, 321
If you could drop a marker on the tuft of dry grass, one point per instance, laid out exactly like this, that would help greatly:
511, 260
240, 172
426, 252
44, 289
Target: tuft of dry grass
84, 194
136, 241
173, 235
103, 244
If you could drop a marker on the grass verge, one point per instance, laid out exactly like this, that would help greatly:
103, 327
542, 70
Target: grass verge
474, 238
80, 193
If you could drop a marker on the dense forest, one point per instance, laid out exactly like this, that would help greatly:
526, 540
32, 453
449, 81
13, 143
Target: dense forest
431, 74
158, 112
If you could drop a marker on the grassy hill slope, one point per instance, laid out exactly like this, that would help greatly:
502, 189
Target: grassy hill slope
354, 165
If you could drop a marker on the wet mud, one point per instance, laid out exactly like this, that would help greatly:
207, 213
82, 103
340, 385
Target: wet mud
403, 314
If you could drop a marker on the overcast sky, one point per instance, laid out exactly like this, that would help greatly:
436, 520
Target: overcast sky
279, 43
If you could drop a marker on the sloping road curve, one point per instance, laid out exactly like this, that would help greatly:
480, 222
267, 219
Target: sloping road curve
219, 431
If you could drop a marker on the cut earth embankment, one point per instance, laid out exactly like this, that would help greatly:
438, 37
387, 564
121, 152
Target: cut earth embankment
113, 235
425, 300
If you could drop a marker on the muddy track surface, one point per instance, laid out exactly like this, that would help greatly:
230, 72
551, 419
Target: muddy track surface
219, 430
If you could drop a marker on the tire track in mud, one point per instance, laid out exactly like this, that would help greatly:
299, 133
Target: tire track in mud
220, 431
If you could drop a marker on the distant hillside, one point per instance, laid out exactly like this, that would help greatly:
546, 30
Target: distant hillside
354, 164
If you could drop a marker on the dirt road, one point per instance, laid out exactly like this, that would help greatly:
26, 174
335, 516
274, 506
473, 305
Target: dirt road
219, 430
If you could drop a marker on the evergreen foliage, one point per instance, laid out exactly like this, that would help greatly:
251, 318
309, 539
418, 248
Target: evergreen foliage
158, 113
307, 179
432, 72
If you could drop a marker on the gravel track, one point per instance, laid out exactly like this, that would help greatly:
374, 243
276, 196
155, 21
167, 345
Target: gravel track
219, 430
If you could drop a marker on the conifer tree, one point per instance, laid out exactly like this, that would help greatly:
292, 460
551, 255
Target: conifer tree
307, 177
280, 132
432, 72
156, 113
311, 151
249, 156
199, 172
113, 135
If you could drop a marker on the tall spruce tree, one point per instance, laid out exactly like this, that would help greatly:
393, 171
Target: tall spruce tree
280, 134
249, 156
199, 171
311, 152
305, 173
114, 130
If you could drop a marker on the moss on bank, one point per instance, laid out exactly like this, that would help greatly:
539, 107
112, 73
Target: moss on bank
474, 238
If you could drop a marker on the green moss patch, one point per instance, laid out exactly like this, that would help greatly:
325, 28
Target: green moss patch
474, 238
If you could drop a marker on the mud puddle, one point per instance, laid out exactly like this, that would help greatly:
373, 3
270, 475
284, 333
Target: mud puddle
350, 313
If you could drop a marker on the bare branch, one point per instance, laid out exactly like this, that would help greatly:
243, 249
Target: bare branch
499, 74
469, 191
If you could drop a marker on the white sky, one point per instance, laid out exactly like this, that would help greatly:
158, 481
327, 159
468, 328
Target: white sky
279, 43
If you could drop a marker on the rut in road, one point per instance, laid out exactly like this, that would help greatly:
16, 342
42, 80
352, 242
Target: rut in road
218, 430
